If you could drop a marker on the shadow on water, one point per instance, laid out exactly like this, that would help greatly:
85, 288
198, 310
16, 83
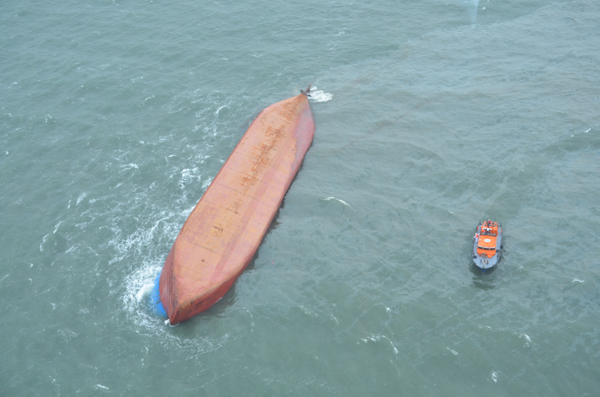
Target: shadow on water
483, 279
221, 306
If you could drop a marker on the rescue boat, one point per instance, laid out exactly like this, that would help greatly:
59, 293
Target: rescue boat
221, 235
487, 244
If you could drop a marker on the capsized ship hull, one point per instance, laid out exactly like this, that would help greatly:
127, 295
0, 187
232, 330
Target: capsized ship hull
487, 244
223, 232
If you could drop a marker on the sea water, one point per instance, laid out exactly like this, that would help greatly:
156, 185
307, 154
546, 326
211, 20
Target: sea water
115, 116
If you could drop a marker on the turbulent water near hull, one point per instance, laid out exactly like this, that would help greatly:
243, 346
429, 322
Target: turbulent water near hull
115, 116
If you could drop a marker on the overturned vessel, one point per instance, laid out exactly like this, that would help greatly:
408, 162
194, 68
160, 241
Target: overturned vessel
223, 232
487, 244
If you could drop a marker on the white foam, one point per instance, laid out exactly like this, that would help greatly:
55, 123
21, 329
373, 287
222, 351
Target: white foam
319, 95
81, 197
527, 339
452, 351
377, 338
99, 386
219, 109
43, 242
144, 291
576, 280
494, 376
206, 183
337, 199
139, 286
189, 175
308, 311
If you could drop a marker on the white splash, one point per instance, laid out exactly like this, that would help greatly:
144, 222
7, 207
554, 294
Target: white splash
494, 376
80, 198
219, 109
527, 339
377, 338
44, 242
307, 311
206, 183
319, 95
139, 286
188, 175
576, 280
337, 199
144, 292
99, 386
452, 351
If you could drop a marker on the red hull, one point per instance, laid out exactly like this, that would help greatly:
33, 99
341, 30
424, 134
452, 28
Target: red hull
223, 232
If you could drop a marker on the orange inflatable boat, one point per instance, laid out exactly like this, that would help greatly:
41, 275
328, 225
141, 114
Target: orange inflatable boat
223, 232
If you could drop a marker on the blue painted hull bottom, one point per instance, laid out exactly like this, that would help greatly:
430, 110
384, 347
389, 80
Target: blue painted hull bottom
157, 305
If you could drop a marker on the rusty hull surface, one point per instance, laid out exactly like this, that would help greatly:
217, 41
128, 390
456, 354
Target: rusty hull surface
223, 232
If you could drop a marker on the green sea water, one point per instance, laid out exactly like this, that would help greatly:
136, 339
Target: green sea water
115, 116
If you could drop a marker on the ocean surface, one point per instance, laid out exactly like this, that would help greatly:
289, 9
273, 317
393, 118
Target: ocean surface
115, 116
